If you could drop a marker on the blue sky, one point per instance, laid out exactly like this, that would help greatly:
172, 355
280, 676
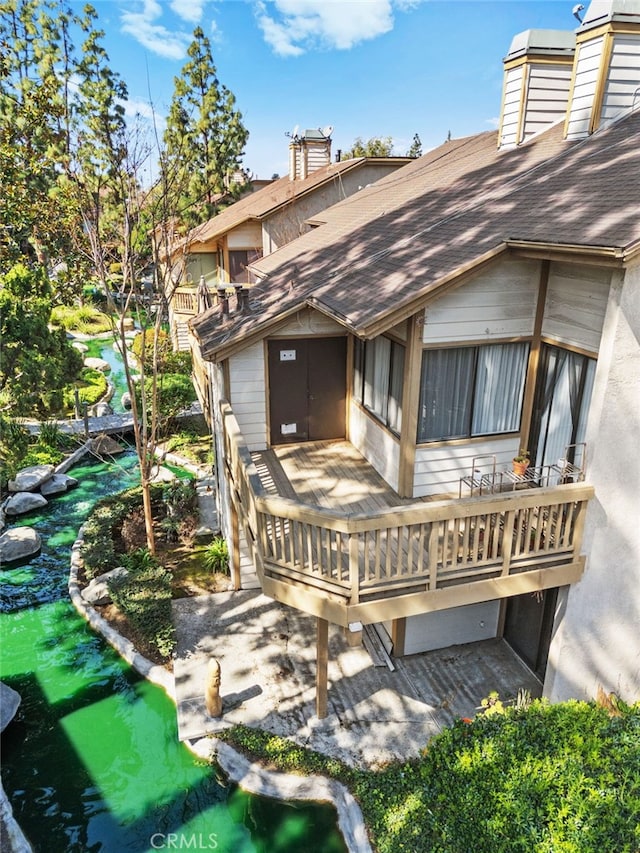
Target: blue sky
366, 67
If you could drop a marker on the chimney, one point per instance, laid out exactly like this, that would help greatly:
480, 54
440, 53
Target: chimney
309, 152
537, 78
606, 73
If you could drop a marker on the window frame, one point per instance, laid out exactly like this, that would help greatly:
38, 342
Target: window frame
473, 403
391, 374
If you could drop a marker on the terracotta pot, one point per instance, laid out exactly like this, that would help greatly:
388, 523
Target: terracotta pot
520, 468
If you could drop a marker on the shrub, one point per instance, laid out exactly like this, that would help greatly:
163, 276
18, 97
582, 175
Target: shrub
85, 319
216, 556
545, 778
180, 498
14, 442
92, 387
144, 596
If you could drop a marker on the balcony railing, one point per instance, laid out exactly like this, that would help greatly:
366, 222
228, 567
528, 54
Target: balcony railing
405, 560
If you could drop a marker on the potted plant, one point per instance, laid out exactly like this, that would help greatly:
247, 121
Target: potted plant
521, 462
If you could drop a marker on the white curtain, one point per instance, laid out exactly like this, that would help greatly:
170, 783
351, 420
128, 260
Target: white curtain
500, 374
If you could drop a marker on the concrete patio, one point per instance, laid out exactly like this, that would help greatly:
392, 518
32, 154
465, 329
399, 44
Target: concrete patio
267, 655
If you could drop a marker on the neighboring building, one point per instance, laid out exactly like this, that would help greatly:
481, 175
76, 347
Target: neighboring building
482, 299
220, 251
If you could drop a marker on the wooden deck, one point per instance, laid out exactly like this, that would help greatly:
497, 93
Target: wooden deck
330, 474
329, 536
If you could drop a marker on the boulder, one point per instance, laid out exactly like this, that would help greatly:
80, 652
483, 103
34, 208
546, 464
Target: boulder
18, 543
104, 445
23, 502
162, 475
101, 410
80, 346
30, 479
57, 484
97, 364
97, 592
125, 400
9, 703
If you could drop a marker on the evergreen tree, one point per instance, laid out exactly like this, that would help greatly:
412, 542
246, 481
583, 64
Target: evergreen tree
205, 137
37, 361
416, 147
377, 146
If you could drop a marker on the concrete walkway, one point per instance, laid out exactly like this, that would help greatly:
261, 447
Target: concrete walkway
267, 655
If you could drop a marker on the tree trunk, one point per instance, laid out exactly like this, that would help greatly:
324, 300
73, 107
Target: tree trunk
148, 517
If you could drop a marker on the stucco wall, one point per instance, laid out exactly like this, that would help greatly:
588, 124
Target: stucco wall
597, 634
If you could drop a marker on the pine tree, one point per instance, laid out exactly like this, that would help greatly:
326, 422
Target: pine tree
205, 137
416, 147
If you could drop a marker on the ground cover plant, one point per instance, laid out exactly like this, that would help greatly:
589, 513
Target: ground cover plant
114, 535
561, 778
81, 318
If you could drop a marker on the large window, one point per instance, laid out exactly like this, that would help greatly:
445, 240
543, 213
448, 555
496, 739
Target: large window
378, 376
471, 391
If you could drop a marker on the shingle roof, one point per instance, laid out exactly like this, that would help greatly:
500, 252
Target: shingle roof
414, 230
263, 202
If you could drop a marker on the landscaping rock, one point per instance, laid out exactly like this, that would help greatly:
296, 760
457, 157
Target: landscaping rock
30, 479
23, 502
57, 484
163, 475
97, 592
104, 445
80, 346
101, 410
126, 400
98, 364
9, 704
18, 543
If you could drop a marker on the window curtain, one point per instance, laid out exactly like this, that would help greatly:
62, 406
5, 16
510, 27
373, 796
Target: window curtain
394, 414
445, 393
499, 389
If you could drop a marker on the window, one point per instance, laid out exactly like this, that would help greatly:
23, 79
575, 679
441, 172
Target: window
239, 260
378, 377
469, 391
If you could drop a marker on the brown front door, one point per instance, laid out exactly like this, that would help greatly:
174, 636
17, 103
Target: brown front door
307, 389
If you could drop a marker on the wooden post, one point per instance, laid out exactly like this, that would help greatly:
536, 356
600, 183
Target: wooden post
235, 546
322, 652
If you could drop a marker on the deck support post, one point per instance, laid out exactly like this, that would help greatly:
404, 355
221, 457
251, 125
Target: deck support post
235, 547
322, 657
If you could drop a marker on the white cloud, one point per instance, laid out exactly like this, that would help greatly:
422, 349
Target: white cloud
155, 37
292, 27
189, 10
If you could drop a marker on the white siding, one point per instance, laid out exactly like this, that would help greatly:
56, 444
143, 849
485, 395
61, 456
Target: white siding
576, 304
248, 397
309, 323
624, 76
546, 98
584, 90
245, 236
444, 628
499, 303
438, 469
511, 106
377, 445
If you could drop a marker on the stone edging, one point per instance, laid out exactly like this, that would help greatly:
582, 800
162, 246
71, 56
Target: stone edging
10, 830
251, 777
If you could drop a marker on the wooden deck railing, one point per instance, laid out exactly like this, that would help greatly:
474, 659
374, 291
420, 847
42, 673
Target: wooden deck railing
407, 559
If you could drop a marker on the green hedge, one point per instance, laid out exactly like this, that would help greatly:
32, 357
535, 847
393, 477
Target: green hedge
561, 778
